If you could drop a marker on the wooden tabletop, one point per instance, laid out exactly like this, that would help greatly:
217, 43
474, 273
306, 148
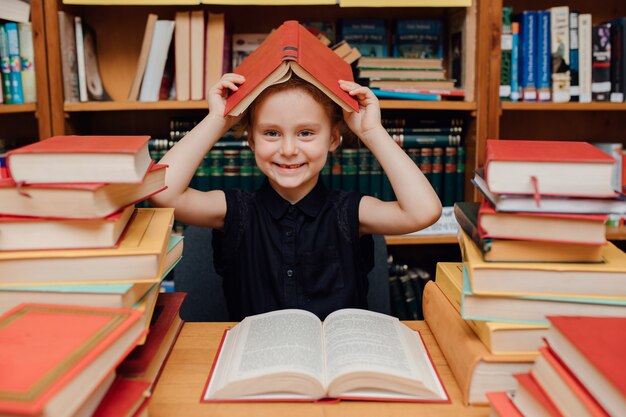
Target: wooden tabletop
182, 383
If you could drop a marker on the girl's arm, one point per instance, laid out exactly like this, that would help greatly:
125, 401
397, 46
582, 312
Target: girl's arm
193, 206
417, 204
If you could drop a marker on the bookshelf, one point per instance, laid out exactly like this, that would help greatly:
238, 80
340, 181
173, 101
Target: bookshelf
26, 123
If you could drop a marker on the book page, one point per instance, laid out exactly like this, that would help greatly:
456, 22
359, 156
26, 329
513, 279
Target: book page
378, 351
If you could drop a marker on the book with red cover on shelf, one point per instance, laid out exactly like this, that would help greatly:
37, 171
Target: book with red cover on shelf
592, 348
291, 48
88, 200
112, 159
539, 167
53, 358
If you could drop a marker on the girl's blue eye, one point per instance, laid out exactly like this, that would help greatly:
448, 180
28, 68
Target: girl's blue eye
271, 133
306, 133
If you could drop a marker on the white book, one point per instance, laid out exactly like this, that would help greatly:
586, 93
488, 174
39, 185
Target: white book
151, 84
584, 57
80, 59
559, 27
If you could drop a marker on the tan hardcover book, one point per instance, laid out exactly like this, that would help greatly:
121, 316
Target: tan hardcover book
499, 337
476, 370
133, 95
182, 55
215, 37
196, 50
352, 56
138, 257
69, 64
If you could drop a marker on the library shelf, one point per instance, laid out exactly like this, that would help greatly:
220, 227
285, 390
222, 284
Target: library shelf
421, 239
569, 106
202, 104
18, 108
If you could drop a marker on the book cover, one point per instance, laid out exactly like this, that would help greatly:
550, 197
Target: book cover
157, 57
182, 53
81, 159
418, 38
133, 94
5, 66
515, 62
559, 40
548, 167
80, 58
15, 62
27, 55
506, 45
574, 64
584, 56
69, 63
291, 47
543, 59
528, 55
197, 49
601, 62
618, 57
52, 357
216, 39
243, 44
95, 88
369, 36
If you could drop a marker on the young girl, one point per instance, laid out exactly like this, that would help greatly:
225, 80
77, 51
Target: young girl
293, 243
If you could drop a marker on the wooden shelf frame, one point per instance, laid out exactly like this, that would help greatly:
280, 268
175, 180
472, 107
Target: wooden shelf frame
18, 108
570, 106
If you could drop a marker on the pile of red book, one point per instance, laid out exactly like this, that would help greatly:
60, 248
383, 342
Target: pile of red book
578, 373
81, 317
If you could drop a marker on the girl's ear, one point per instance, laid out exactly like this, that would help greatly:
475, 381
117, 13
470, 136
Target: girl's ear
251, 142
335, 139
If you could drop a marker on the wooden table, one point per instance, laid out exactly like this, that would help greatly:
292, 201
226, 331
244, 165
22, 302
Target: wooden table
182, 383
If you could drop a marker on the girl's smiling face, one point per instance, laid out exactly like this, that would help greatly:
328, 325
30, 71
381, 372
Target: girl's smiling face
291, 135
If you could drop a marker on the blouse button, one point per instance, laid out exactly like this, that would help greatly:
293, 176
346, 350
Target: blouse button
290, 273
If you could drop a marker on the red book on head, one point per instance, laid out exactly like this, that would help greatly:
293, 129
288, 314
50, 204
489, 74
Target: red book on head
291, 48
548, 167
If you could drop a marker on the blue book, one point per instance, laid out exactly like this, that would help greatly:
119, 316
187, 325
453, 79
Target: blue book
515, 91
5, 66
369, 36
544, 61
528, 55
418, 38
574, 87
15, 63
401, 95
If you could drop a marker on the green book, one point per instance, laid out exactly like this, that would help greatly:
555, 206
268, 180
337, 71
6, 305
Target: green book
203, 179
335, 170
437, 172
423, 140
460, 173
426, 163
349, 170
216, 169
376, 178
246, 158
449, 176
231, 168
364, 170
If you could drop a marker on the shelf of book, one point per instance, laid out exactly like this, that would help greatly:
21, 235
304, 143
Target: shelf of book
423, 240
570, 106
18, 108
201, 104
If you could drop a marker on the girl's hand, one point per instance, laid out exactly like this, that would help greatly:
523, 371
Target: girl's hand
368, 118
217, 95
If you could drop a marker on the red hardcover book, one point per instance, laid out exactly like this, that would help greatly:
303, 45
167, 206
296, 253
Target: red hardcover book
145, 362
502, 405
88, 200
112, 159
548, 167
553, 227
531, 400
289, 48
124, 398
563, 388
54, 357
593, 350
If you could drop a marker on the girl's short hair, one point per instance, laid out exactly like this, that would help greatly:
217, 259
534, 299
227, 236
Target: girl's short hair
333, 110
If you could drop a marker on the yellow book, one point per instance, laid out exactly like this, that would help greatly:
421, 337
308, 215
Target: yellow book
589, 280
499, 337
138, 257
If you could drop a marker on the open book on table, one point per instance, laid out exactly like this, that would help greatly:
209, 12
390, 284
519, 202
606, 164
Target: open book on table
290, 355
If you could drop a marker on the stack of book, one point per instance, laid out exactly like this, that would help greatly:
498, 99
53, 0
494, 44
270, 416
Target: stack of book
80, 270
408, 78
578, 373
520, 267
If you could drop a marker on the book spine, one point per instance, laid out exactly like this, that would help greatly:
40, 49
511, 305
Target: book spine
437, 170
515, 91
5, 66
528, 33
449, 176
559, 40
27, 57
425, 140
231, 168
617, 61
364, 170
584, 57
349, 170
80, 58
574, 89
468, 224
216, 169
67, 40
335, 171
543, 56
448, 130
426, 163
506, 45
460, 174
246, 158
375, 178
15, 62
601, 63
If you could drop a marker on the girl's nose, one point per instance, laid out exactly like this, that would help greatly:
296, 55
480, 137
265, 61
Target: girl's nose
289, 146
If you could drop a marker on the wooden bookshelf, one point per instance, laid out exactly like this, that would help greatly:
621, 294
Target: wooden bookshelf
18, 108
548, 106
420, 240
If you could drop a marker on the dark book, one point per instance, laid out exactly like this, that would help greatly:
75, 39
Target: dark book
349, 170
437, 171
216, 169
543, 65
574, 88
506, 42
369, 36
449, 176
425, 140
364, 170
232, 168
426, 163
246, 158
376, 180
460, 174
601, 62
528, 55
618, 54
418, 38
